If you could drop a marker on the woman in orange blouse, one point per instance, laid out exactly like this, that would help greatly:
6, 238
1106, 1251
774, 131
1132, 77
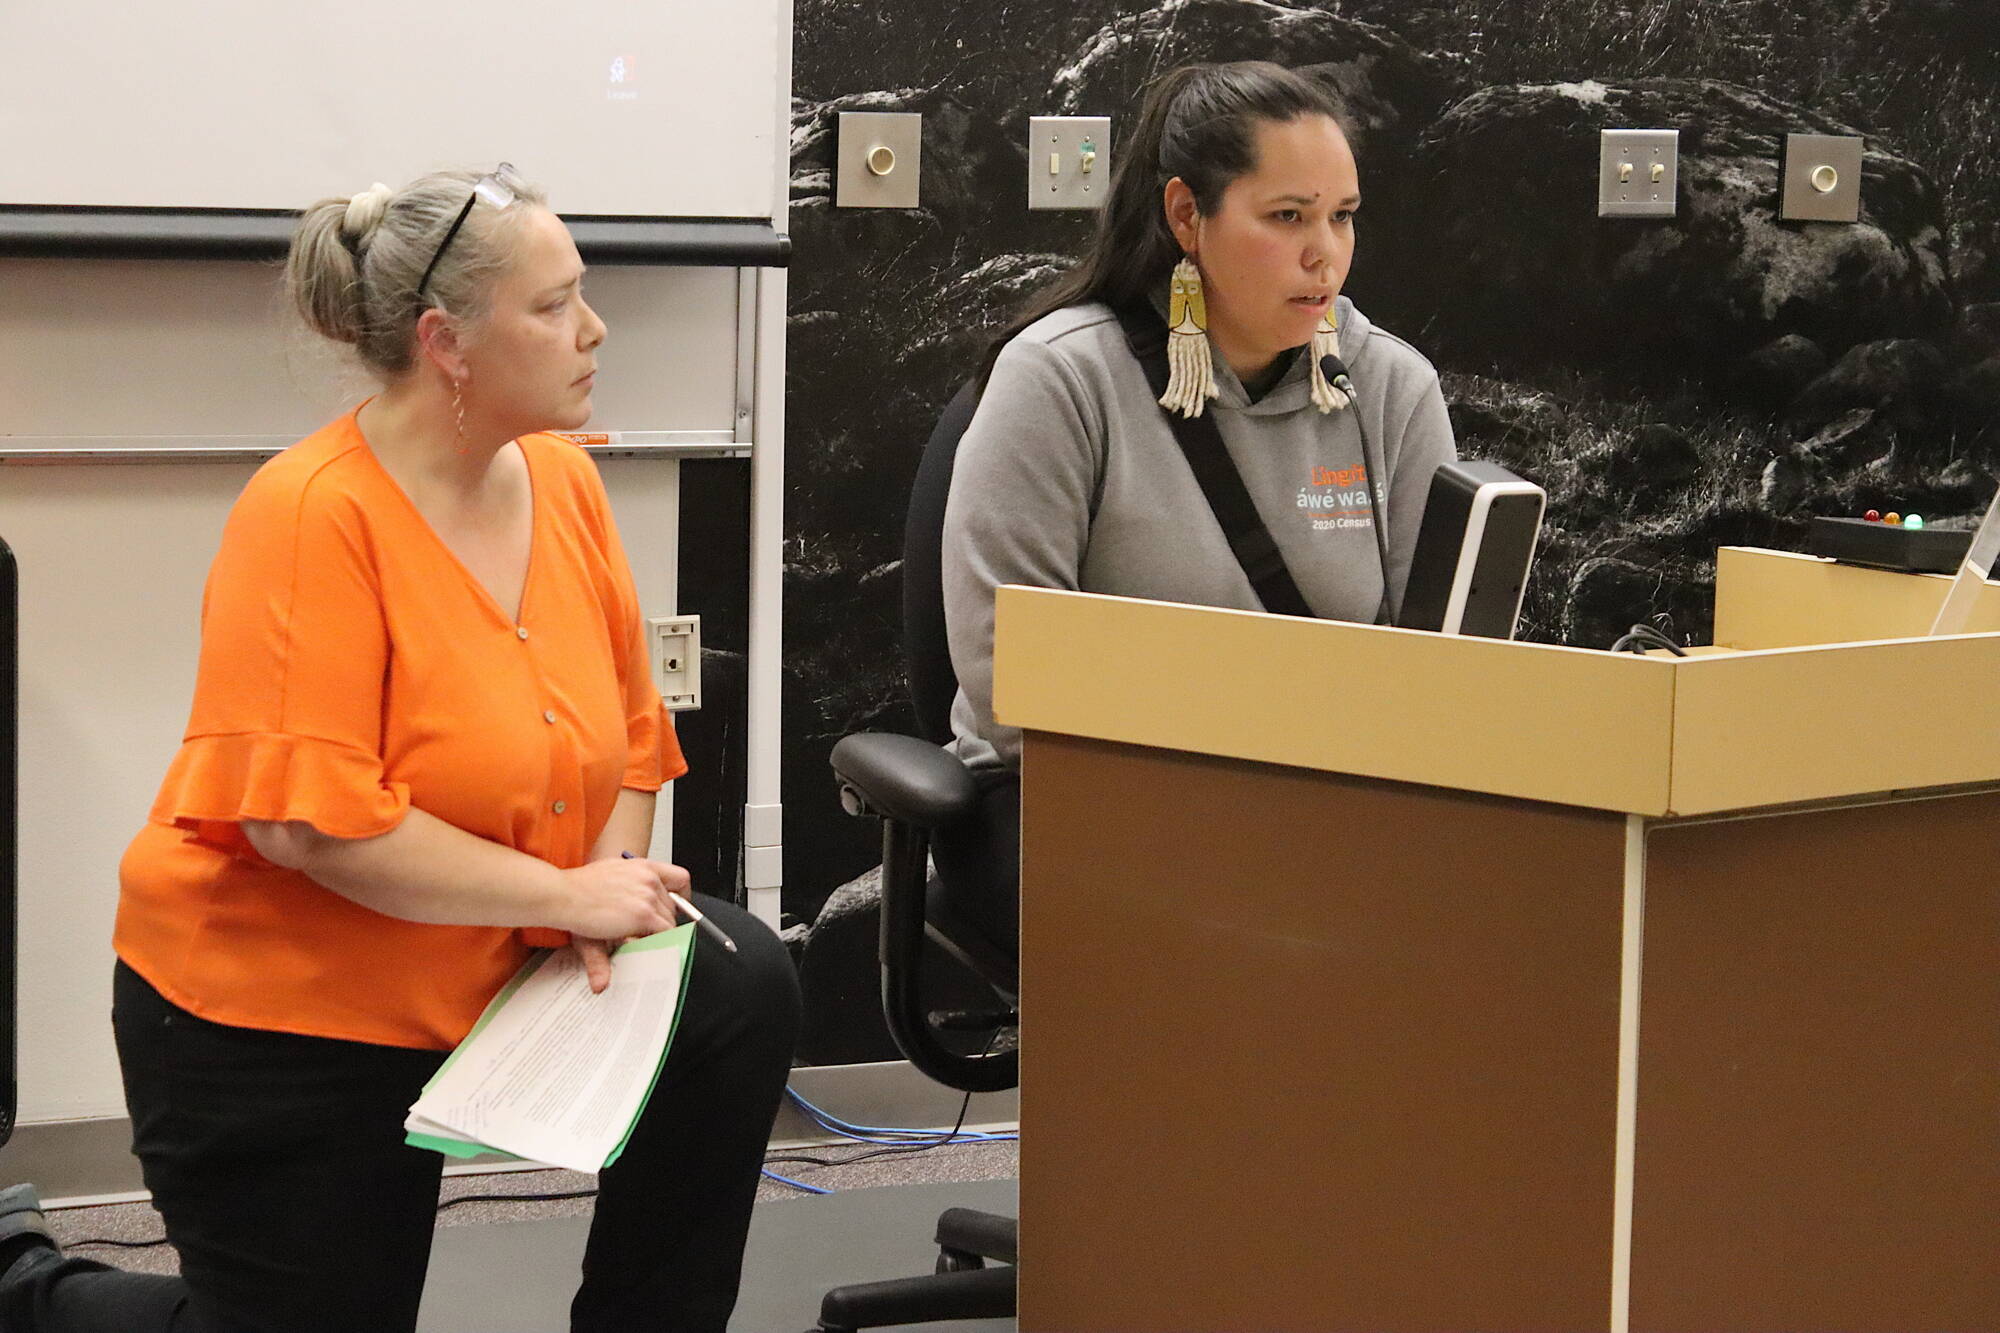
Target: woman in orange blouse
424, 733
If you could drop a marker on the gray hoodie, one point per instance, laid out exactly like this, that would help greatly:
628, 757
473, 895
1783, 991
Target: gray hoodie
1070, 477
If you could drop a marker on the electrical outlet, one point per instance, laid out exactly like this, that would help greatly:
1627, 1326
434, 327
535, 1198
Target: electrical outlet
877, 159
1069, 161
1821, 178
1638, 173
674, 645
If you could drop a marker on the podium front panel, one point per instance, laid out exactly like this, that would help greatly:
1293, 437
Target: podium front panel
1819, 1071
1308, 1051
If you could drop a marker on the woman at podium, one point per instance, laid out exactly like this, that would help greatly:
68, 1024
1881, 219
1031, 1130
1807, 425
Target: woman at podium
1194, 413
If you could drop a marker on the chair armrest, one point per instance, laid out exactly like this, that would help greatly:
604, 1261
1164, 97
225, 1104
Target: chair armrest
904, 779
915, 788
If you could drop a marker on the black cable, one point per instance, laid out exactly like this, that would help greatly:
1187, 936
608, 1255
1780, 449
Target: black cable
1642, 637
886, 1150
560, 1197
891, 1150
1385, 614
899, 1149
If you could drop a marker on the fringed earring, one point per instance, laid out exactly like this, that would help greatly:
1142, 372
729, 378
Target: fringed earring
458, 410
1325, 343
1191, 372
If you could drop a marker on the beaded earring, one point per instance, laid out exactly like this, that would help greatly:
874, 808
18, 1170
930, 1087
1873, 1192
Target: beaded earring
1191, 370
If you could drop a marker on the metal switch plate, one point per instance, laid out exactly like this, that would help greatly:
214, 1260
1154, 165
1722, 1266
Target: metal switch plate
1069, 161
674, 644
1821, 178
1638, 173
878, 160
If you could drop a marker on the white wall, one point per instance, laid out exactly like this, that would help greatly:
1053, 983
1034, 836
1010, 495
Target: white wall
112, 557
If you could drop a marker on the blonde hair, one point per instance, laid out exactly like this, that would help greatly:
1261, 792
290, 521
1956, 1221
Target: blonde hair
355, 263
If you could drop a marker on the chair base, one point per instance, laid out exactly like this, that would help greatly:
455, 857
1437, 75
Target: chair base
962, 1288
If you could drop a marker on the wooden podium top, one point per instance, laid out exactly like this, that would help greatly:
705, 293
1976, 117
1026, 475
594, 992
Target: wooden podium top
1786, 713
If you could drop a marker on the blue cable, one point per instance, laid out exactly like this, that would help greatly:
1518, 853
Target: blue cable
913, 1139
909, 1137
795, 1184
861, 1133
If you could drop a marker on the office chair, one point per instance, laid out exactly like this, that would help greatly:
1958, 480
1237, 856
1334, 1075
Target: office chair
916, 788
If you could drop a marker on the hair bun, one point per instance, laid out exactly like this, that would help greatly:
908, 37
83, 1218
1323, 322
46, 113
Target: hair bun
364, 213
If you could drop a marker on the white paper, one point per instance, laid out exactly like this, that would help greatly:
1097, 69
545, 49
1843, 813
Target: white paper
416, 1124
559, 1074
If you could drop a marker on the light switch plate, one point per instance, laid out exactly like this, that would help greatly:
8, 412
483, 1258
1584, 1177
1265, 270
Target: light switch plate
1069, 161
1638, 173
878, 159
1820, 180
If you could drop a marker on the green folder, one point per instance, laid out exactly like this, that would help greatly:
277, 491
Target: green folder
680, 938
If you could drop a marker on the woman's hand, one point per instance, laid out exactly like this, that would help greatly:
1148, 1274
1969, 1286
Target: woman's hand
603, 895
596, 956
619, 898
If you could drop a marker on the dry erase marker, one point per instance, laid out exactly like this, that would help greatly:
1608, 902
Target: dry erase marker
701, 922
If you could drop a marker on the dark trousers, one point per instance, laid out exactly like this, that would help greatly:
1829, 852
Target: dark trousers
979, 860
278, 1164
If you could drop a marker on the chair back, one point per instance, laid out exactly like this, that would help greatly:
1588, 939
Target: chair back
915, 907
926, 652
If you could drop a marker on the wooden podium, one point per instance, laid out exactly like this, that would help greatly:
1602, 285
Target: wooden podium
1381, 980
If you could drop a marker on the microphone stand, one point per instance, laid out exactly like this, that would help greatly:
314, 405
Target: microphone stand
1336, 375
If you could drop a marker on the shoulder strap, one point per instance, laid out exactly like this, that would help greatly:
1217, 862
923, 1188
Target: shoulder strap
1208, 458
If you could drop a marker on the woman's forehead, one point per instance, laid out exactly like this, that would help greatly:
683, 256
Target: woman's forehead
1307, 156
544, 252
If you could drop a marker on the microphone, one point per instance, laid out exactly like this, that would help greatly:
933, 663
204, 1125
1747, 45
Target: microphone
1335, 371
1336, 374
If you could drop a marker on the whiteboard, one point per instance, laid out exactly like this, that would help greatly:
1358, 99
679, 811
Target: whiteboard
622, 108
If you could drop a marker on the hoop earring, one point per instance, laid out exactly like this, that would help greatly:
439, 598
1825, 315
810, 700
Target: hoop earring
458, 411
1191, 368
1325, 343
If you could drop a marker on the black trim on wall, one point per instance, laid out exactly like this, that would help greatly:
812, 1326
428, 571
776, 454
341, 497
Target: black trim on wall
714, 564
38, 232
9, 814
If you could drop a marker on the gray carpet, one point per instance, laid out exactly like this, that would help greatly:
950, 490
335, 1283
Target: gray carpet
517, 1277
509, 1267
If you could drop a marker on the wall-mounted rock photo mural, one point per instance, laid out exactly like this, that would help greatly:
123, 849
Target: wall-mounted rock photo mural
1675, 384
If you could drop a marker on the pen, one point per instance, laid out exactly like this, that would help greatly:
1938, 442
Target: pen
701, 922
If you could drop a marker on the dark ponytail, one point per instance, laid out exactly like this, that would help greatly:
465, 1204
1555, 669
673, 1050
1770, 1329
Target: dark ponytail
1197, 122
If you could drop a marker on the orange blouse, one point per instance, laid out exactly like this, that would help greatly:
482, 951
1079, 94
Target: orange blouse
351, 668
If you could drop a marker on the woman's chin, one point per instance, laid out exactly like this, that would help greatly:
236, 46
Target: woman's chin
1300, 327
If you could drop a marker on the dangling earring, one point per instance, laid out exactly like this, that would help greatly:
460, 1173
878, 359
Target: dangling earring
1191, 372
458, 410
1325, 343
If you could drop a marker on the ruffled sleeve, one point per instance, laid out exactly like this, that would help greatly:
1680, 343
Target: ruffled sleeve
215, 782
287, 721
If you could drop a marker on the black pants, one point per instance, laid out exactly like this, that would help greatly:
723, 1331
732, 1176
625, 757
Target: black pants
979, 860
278, 1164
